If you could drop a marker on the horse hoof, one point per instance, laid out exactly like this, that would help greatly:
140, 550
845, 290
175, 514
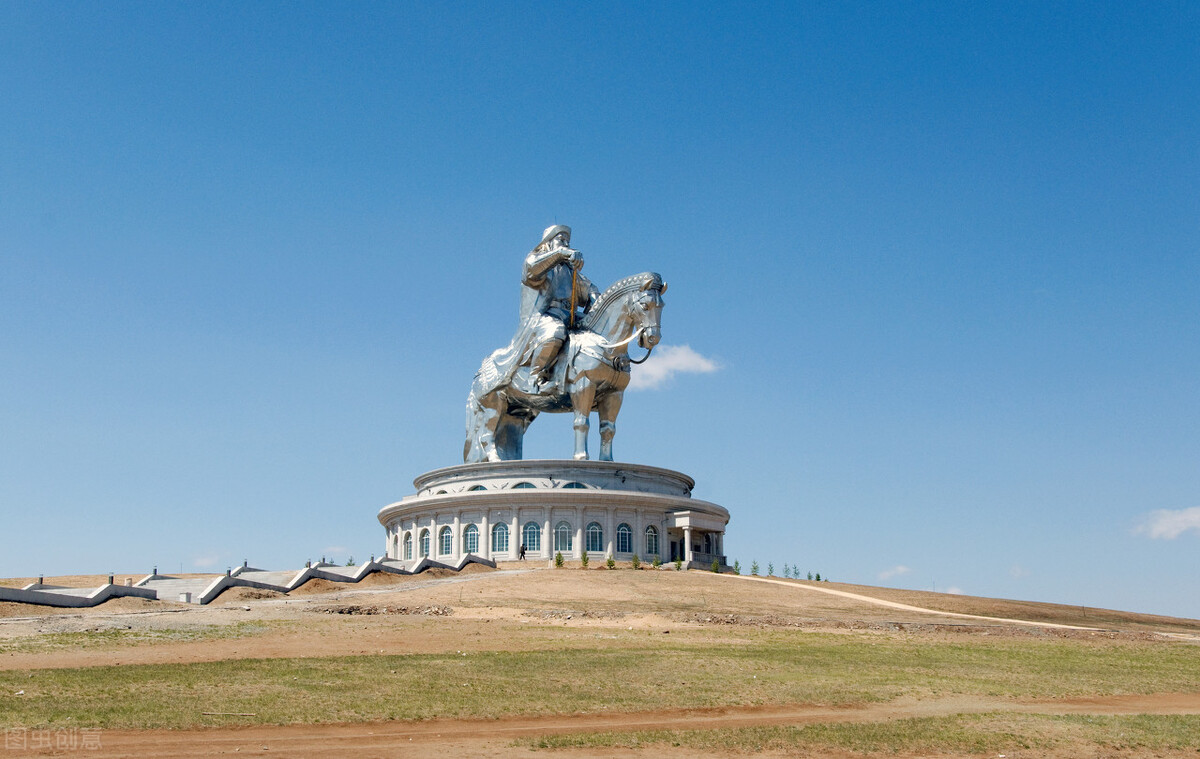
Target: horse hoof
581, 457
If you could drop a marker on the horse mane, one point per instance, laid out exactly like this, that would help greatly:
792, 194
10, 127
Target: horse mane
613, 294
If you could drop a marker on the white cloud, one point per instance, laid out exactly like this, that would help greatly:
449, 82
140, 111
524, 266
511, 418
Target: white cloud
954, 590
1016, 571
1168, 524
205, 561
895, 571
665, 362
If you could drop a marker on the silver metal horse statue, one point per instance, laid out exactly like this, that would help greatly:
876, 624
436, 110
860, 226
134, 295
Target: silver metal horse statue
591, 373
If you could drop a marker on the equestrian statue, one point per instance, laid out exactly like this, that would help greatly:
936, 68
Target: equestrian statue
570, 353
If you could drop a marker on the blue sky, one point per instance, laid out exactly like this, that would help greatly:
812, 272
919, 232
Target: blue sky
944, 258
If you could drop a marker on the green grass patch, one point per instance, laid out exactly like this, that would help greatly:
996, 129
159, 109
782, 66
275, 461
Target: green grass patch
975, 734
777, 668
116, 638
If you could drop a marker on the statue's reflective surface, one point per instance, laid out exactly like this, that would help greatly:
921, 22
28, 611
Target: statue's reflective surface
570, 353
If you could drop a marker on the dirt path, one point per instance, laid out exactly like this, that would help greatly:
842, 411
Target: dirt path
902, 607
493, 737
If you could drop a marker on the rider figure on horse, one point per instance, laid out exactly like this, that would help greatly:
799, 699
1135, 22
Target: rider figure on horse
552, 270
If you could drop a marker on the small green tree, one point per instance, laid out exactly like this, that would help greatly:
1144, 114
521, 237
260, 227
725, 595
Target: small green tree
810, 575
818, 576
678, 564
583, 559
635, 562
611, 563
558, 559
657, 561
787, 571
716, 566
350, 561
770, 569
754, 568
737, 567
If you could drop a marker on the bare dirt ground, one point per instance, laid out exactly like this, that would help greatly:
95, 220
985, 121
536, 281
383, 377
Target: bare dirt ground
536, 608
494, 738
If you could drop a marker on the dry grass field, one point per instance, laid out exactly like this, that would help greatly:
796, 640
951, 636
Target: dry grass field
571, 663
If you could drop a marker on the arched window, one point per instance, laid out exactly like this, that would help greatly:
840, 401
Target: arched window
440, 492
445, 541
521, 485
471, 539
424, 543
595, 537
708, 543
651, 541
500, 538
407, 546
562, 536
575, 485
624, 538
475, 487
531, 536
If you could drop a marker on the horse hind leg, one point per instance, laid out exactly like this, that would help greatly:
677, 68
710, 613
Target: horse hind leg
484, 417
510, 435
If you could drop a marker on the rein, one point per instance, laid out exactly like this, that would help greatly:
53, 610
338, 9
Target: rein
636, 334
642, 360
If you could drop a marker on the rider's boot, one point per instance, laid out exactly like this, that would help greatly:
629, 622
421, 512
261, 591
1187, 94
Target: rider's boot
542, 369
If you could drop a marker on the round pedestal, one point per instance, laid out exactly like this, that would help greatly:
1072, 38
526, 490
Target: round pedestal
551, 506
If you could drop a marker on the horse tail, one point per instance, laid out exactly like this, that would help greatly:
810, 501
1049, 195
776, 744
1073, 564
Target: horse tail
472, 446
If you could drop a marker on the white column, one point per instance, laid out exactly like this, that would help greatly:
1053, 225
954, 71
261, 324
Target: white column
639, 537
456, 539
548, 536
514, 539
579, 544
485, 535
611, 530
687, 544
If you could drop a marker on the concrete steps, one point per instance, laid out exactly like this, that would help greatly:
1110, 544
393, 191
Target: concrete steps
202, 590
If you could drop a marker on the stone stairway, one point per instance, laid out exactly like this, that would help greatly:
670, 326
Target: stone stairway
203, 589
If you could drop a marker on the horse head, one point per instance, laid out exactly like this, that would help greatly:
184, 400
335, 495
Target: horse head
648, 313
629, 306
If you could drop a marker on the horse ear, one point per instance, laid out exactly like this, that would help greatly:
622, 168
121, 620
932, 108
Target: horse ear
664, 289
646, 285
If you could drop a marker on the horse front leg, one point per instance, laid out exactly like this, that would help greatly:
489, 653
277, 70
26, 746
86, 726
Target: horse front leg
583, 394
607, 409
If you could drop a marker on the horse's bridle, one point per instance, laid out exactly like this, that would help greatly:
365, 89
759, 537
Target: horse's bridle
636, 334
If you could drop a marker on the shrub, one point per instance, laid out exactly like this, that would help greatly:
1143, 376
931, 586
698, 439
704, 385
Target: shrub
737, 567
678, 564
611, 563
558, 559
716, 566
583, 559
818, 576
657, 561
754, 568
635, 562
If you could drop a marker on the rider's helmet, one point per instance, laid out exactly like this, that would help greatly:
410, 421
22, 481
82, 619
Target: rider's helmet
551, 232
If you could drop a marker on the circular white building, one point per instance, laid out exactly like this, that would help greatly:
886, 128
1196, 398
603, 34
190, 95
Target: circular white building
608, 509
